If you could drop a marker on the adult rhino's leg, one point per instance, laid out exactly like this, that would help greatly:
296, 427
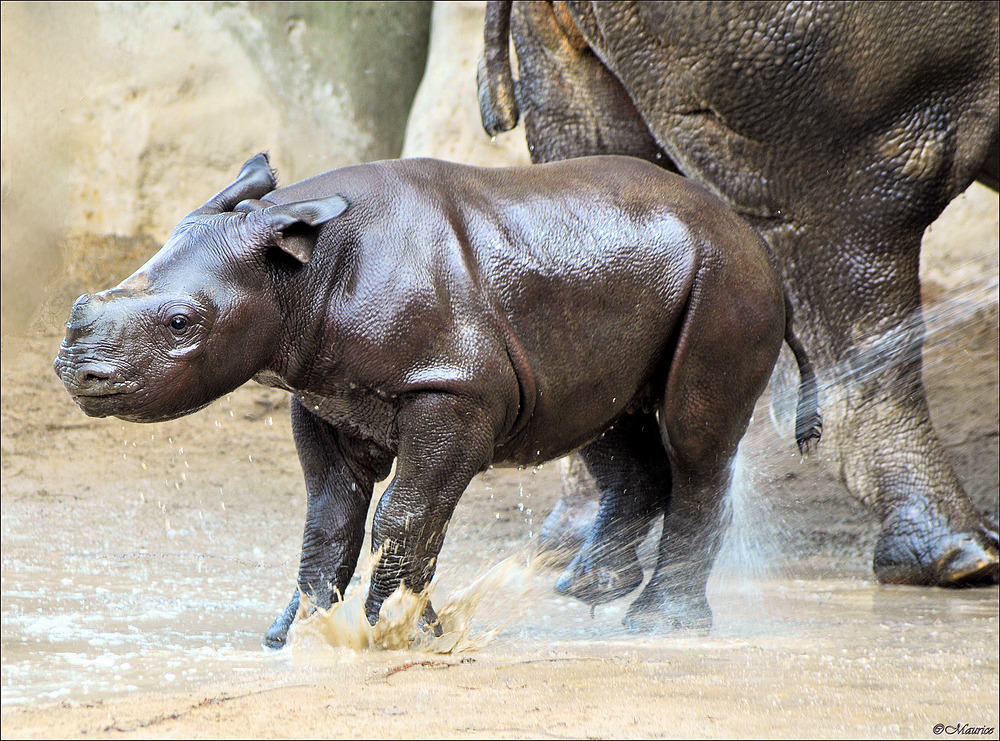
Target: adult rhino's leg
572, 107
889, 455
632, 473
989, 173
859, 308
340, 474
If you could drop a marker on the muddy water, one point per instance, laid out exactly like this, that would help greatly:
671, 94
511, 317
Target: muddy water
88, 623
142, 560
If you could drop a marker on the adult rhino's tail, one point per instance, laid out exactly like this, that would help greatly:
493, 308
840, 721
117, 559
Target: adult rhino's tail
808, 422
497, 102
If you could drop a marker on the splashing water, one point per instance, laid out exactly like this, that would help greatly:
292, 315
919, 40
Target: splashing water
973, 303
470, 617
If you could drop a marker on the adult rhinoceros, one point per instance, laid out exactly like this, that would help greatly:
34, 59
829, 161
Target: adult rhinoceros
840, 131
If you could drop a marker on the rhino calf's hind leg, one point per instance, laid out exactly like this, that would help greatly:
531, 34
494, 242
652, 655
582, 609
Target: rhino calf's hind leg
674, 598
702, 417
631, 470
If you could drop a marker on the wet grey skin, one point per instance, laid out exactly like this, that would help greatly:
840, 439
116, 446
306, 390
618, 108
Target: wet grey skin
840, 131
453, 318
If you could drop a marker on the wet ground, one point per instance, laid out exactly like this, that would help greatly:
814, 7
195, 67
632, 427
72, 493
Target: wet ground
142, 563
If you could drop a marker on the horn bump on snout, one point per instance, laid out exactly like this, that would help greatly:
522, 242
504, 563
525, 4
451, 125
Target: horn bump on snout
85, 312
79, 316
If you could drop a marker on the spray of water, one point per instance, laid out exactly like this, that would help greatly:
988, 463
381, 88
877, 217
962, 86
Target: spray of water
940, 321
470, 617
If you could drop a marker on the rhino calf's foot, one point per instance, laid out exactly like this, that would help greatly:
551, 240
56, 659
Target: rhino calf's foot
277, 634
429, 622
656, 612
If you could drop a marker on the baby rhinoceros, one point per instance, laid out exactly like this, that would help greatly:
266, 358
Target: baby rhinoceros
454, 318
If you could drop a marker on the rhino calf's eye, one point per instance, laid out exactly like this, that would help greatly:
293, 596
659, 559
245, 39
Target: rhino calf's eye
178, 323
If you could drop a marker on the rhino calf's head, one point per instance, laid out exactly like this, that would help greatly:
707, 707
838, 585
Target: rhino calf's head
202, 317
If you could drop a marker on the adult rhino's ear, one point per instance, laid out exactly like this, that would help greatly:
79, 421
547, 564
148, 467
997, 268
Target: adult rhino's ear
292, 225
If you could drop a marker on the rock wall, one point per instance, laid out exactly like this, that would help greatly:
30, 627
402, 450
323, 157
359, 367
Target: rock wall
119, 118
445, 120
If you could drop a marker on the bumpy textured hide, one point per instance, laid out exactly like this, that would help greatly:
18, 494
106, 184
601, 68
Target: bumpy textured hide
840, 131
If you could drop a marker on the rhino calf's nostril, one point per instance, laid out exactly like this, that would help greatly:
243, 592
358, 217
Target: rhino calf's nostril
90, 377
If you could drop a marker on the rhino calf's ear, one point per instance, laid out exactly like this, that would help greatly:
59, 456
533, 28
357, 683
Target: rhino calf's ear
256, 180
292, 223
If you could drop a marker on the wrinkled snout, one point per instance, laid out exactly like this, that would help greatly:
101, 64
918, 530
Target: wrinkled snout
85, 363
83, 315
86, 377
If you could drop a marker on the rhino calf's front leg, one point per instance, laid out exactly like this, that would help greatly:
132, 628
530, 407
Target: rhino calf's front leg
444, 440
340, 473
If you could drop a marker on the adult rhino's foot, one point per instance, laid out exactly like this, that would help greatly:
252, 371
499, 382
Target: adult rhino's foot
277, 634
656, 612
596, 579
936, 558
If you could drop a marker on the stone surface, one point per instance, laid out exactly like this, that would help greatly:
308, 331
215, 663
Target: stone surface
445, 121
120, 117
